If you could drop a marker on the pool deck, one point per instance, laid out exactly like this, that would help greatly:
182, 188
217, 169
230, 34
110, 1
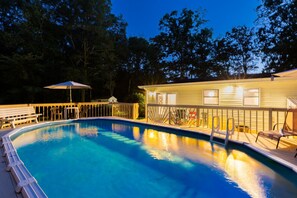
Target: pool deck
284, 154
7, 184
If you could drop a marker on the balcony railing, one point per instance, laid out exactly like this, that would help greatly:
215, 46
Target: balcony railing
59, 111
245, 119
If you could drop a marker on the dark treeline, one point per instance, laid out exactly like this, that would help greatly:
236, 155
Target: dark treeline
43, 42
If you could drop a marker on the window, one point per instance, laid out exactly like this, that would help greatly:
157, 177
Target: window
211, 97
171, 99
251, 97
163, 98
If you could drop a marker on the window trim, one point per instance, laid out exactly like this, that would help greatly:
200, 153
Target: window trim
165, 98
251, 97
217, 96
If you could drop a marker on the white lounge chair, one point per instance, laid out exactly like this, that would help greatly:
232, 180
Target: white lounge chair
289, 128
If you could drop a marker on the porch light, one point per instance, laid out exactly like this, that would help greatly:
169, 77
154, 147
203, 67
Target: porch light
152, 93
229, 89
239, 91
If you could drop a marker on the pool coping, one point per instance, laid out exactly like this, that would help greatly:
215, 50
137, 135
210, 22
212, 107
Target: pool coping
27, 185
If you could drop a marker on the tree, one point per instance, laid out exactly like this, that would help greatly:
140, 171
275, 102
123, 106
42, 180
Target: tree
235, 54
91, 35
277, 34
141, 66
49, 41
183, 43
153, 71
137, 59
21, 53
222, 65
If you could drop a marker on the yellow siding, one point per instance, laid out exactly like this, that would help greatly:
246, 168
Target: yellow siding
186, 97
272, 93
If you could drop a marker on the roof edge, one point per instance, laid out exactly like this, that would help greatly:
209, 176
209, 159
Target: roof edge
218, 82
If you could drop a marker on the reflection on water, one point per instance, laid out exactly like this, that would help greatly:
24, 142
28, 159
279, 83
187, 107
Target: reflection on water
55, 132
185, 151
39, 135
238, 166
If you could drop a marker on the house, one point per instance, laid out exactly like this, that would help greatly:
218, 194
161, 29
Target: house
277, 91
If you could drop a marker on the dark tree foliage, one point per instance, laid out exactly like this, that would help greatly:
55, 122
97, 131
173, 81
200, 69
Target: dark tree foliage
235, 55
44, 42
222, 51
185, 45
141, 67
49, 41
277, 33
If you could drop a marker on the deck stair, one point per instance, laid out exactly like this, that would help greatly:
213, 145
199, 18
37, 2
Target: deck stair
216, 129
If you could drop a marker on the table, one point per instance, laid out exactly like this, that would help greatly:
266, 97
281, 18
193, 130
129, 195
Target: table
75, 109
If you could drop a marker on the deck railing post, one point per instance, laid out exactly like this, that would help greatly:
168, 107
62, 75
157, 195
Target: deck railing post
135, 111
169, 115
146, 112
270, 119
112, 110
197, 116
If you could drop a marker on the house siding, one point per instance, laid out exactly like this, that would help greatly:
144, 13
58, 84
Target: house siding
272, 94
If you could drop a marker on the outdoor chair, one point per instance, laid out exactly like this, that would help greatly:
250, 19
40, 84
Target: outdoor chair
289, 128
84, 111
192, 118
56, 113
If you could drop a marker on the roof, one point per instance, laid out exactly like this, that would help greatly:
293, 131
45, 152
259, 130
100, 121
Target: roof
292, 102
233, 77
289, 73
219, 82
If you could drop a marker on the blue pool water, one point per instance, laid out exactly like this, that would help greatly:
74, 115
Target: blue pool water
108, 158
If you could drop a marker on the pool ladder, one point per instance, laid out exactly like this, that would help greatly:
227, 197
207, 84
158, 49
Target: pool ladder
216, 128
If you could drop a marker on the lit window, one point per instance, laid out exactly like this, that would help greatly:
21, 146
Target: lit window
211, 97
251, 97
171, 99
161, 98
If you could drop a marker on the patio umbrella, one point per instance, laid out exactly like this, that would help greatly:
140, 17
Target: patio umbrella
69, 85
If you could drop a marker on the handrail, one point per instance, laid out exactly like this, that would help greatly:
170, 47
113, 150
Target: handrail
246, 119
55, 111
216, 128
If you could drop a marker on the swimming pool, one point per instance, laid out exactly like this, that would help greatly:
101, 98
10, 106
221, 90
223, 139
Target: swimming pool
114, 158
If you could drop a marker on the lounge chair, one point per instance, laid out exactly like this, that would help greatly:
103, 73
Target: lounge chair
289, 128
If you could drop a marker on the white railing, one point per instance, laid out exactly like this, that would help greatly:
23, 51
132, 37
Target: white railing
245, 119
56, 111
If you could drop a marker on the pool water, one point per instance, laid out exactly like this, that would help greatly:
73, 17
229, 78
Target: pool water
109, 158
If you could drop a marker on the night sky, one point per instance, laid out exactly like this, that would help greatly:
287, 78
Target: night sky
143, 16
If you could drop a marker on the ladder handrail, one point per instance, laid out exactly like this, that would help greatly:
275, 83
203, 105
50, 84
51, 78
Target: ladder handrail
216, 128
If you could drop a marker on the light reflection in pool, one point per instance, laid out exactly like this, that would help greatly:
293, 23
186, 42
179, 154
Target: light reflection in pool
238, 166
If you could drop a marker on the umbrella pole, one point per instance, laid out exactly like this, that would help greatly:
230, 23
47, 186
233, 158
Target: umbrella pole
70, 95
